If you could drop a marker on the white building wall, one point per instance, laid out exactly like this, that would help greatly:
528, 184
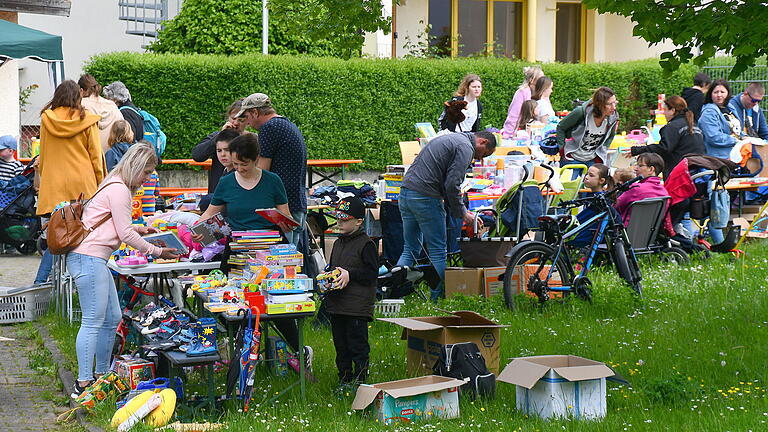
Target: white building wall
9, 98
408, 26
91, 28
621, 46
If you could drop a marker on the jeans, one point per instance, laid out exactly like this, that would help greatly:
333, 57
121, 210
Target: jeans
294, 236
423, 221
350, 338
101, 314
44, 269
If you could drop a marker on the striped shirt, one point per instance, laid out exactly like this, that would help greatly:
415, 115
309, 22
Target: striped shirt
10, 169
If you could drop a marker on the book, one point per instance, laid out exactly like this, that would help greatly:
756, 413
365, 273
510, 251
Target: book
212, 229
276, 216
167, 239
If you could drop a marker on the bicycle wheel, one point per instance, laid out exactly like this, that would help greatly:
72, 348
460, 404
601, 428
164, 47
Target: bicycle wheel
527, 270
626, 265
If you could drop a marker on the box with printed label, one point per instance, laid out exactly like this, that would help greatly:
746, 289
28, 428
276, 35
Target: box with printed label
425, 337
492, 282
560, 386
411, 399
132, 372
463, 280
284, 308
521, 275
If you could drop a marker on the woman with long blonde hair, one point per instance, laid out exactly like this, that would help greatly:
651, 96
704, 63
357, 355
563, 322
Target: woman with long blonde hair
531, 74
108, 215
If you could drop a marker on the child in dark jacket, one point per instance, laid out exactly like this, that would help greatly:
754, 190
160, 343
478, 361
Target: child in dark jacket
120, 138
350, 305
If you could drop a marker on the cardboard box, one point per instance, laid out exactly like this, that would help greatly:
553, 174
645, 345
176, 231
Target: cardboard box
132, 372
463, 280
559, 386
286, 308
492, 285
427, 335
411, 399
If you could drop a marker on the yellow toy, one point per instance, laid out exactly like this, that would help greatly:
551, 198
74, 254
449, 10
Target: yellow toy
160, 416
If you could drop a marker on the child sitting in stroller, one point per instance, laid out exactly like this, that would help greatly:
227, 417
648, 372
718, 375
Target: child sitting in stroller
9, 166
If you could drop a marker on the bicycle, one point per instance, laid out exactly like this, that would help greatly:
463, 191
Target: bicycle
546, 266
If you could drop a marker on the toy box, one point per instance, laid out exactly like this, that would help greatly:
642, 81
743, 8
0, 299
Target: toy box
296, 285
560, 386
284, 308
411, 399
132, 372
277, 353
427, 335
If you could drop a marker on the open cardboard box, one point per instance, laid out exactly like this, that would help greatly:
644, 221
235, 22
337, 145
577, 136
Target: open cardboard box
410, 399
560, 386
427, 335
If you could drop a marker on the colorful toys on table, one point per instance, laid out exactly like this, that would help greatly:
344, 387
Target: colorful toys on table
132, 261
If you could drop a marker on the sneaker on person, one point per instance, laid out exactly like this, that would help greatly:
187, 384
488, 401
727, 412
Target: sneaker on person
78, 390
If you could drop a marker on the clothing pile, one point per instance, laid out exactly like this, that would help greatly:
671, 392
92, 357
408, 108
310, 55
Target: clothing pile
346, 188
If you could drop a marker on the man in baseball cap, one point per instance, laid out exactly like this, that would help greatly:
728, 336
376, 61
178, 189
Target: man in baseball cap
283, 152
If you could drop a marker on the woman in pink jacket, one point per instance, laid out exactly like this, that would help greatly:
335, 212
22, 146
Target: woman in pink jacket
531, 74
88, 262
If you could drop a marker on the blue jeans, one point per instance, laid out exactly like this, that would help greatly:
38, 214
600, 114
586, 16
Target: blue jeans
101, 314
44, 269
294, 236
423, 221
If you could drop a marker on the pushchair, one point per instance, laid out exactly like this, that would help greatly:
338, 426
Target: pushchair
19, 224
690, 186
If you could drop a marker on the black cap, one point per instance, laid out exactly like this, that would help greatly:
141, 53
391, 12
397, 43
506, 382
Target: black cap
349, 208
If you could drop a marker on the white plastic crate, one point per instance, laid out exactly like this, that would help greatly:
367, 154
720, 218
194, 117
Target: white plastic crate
388, 307
24, 303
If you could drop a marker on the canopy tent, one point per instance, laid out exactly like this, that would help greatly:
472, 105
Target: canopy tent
18, 42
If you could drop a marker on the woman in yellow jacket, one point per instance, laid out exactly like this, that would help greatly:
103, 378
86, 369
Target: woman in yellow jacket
71, 159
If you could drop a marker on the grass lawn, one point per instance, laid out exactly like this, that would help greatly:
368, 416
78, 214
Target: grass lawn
694, 350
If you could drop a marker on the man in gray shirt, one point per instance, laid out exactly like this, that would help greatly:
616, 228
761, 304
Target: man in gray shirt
432, 184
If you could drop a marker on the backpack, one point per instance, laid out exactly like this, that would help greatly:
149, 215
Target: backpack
66, 229
152, 131
463, 360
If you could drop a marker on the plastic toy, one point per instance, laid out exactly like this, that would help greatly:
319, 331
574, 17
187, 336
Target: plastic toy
230, 296
327, 281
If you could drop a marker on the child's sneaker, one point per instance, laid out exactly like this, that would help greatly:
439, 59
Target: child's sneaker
309, 356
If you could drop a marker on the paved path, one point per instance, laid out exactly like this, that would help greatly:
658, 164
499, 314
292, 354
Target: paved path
18, 270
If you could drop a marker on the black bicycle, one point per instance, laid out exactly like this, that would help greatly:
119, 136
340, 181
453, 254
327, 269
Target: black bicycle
546, 267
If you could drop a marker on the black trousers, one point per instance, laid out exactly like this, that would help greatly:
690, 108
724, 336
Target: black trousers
350, 338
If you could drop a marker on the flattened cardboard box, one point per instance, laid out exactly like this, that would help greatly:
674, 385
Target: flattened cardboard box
427, 335
410, 399
560, 386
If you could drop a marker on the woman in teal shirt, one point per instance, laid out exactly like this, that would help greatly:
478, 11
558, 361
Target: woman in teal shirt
249, 188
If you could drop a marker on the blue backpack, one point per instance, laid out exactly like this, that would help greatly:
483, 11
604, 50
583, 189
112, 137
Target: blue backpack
152, 131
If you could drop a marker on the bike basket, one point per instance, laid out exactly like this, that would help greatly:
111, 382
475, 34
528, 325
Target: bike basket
485, 251
24, 303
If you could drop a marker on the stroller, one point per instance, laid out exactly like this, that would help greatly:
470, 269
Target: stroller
19, 225
690, 191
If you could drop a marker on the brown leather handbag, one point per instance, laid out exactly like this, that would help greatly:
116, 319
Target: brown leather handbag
66, 229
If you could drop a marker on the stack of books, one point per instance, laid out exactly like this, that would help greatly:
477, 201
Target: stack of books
245, 244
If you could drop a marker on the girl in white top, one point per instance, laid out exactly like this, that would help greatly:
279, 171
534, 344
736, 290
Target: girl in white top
469, 90
541, 92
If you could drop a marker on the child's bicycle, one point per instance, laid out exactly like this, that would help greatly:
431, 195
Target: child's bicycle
541, 267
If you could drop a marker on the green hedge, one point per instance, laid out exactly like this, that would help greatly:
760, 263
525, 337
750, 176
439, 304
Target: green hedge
357, 109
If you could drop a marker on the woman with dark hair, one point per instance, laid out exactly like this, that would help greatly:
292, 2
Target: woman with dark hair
715, 120
240, 194
469, 91
679, 137
541, 93
107, 109
206, 149
586, 133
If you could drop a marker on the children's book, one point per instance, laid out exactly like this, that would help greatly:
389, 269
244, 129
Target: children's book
167, 239
276, 216
212, 229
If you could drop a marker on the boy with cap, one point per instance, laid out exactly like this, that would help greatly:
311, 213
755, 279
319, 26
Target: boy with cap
350, 306
9, 166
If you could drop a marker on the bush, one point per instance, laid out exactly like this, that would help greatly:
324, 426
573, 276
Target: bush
361, 108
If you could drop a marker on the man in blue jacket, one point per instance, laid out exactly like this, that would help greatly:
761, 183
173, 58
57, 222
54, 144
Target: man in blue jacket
432, 184
745, 107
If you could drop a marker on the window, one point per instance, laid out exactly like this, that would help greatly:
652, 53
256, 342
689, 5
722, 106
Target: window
467, 33
507, 28
473, 27
440, 22
568, 33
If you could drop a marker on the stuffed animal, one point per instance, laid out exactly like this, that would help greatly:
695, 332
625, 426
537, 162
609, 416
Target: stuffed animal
453, 110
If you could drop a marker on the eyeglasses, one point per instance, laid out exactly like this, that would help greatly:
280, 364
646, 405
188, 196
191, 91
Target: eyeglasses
641, 165
754, 101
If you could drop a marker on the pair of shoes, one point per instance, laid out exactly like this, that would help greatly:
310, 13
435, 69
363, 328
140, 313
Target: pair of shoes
78, 389
204, 341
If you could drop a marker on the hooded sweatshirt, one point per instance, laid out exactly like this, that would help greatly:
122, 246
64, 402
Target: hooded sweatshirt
108, 112
575, 126
71, 159
695, 100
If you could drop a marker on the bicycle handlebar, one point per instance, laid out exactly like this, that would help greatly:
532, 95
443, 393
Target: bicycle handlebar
619, 188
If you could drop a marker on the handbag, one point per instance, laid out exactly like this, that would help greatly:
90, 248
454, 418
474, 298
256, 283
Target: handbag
66, 229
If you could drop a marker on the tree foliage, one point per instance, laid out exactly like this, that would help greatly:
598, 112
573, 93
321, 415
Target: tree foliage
736, 27
234, 27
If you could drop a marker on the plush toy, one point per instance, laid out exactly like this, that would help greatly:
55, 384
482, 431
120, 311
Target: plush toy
453, 110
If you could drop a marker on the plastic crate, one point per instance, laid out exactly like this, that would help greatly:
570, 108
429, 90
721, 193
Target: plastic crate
388, 307
24, 303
